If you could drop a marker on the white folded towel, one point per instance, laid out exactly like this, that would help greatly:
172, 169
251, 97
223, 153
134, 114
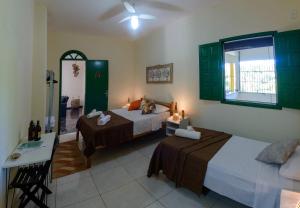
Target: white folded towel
188, 134
190, 128
104, 120
94, 113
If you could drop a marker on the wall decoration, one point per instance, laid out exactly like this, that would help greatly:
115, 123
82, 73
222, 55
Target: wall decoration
160, 73
75, 70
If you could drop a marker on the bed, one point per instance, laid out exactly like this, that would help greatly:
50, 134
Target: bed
123, 127
233, 172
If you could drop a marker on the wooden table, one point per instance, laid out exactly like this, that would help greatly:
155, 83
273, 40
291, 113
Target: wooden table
30, 156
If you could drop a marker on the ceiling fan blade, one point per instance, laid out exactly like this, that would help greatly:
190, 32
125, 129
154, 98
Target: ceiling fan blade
146, 17
163, 6
125, 19
116, 10
129, 7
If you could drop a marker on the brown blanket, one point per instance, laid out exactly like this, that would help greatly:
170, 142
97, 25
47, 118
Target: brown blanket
184, 161
118, 130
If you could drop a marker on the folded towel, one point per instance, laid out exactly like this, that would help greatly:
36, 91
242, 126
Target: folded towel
190, 128
94, 113
104, 120
188, 134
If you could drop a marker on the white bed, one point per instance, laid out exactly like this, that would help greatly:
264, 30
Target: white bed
234, 172
143, 123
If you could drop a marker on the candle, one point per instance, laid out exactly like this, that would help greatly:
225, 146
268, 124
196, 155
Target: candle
182, 114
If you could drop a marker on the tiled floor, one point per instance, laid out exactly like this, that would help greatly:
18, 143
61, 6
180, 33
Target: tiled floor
118, 179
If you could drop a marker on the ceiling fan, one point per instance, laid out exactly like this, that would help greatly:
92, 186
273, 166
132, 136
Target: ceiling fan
134, 17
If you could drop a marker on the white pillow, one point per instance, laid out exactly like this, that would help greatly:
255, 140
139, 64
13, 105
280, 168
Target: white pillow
160, 109
291, 169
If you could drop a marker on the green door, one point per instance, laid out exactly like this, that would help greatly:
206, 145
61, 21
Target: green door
96, 87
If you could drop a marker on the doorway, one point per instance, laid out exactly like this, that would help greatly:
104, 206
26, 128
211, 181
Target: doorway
83, 88
72, 90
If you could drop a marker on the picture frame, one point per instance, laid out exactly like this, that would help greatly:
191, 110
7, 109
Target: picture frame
159, 74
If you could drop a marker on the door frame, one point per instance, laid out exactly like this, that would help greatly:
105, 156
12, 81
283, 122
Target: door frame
71, 55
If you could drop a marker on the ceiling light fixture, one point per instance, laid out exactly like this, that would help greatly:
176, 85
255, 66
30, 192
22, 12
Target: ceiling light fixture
134, 22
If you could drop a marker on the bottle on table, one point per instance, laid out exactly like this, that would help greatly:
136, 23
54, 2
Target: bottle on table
31, 131
38, 131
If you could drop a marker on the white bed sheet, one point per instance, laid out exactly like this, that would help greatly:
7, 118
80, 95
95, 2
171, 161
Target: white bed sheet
234, 173
143, 123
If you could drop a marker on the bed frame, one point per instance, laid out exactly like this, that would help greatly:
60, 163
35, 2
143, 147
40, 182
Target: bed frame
170, 105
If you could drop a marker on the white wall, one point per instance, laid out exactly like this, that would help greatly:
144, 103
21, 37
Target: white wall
39, 87
120, 54
73, 87
16, 57
178, 43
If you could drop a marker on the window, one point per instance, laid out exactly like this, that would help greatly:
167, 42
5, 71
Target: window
249, 74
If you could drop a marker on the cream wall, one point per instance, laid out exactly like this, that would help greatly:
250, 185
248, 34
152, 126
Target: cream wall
16, 57
39, 87
178, 43
120, 54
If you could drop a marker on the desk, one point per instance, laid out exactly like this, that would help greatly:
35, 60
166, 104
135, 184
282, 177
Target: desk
30, 156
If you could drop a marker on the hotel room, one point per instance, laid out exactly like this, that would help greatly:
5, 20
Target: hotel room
150, 103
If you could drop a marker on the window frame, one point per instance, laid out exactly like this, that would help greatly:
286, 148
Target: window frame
249, 103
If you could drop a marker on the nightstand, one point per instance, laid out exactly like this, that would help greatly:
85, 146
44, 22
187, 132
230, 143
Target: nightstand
172, 125
289, 199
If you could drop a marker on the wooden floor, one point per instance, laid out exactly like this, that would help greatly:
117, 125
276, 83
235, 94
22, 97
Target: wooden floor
68, 159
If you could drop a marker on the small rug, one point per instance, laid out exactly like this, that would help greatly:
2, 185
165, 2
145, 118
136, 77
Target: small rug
68, 159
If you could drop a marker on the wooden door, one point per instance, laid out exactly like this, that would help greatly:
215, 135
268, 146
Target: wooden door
96, 90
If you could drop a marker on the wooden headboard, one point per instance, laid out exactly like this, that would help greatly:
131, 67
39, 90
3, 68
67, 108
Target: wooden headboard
170, 105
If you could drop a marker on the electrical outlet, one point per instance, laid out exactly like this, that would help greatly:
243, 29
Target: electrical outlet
294, 14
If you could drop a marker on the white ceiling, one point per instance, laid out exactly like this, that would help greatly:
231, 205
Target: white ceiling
86, 16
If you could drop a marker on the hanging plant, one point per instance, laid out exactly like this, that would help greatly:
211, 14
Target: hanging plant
76, 70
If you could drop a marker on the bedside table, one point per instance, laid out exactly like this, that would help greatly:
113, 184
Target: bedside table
172, 125
289, 199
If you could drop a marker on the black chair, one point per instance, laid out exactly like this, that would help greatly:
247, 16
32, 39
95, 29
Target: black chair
63, 106
31, 180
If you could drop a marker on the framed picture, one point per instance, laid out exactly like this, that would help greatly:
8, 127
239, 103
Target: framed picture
160, 73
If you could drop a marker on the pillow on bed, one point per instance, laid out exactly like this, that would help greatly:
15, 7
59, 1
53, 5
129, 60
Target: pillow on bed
160, 109
291, 169
148, 107
278, 152
135, 105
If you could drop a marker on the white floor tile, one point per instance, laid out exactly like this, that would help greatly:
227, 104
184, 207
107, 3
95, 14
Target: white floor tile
138, 167
74, 177
131, 195
95, 202
155, 205
111, 179
147, 151
103, 166
75, 191
183, 198
157, 186
129, 157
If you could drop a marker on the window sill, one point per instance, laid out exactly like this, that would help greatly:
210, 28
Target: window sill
253, 104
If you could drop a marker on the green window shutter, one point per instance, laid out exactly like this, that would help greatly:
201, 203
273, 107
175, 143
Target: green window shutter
210, 71
288, 68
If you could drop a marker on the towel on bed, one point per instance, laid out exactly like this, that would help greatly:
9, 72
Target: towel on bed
102, 120
94, 113
188, 134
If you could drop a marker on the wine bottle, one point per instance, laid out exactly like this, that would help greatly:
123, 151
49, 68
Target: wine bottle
38, 131
30, 131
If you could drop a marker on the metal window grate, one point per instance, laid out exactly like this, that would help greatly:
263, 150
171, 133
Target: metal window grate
258, 76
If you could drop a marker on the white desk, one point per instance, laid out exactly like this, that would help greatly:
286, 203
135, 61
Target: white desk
33, 155
30, 156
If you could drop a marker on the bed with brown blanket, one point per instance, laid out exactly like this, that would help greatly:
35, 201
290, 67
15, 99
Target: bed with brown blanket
124, 126
184, 161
